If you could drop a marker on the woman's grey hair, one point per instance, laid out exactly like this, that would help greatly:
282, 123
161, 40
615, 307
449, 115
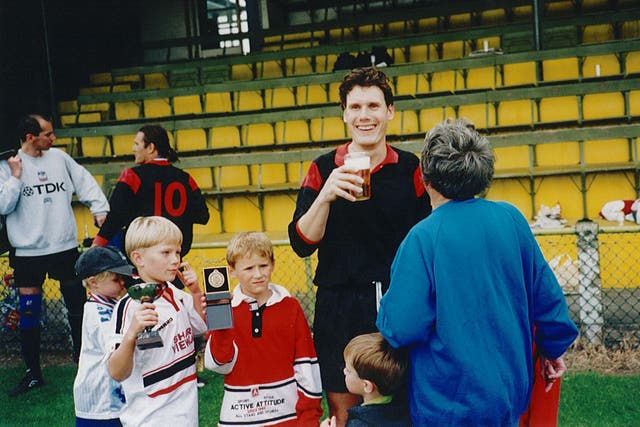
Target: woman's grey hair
456, 160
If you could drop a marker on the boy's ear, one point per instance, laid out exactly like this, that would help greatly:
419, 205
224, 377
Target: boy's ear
369, 386
136, 258
232, 271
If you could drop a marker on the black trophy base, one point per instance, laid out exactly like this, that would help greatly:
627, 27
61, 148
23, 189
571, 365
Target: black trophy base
147, 340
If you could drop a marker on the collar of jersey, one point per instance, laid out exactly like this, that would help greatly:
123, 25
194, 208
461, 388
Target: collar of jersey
278, 293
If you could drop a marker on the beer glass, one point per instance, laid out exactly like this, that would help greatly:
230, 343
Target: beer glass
362, 163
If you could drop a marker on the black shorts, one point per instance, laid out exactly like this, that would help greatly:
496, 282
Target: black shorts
341, 314
30, 271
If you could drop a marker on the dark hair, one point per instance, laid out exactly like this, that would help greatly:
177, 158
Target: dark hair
456, 160
29, 124
157, 135
366, 76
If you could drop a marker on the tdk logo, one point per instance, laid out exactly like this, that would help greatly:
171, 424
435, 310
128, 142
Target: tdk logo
43, 189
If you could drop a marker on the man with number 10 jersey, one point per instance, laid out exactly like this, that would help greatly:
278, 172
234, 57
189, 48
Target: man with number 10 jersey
154, 187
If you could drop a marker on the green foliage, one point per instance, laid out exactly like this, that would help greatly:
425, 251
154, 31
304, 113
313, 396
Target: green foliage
588, 399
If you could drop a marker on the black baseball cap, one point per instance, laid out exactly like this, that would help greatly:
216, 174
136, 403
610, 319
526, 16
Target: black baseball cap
102, 258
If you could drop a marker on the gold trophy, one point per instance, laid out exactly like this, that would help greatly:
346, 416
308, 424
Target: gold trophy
147, 292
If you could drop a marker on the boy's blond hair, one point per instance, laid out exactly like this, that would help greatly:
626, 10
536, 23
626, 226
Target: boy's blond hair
148, 231
373, 359
103, 275
249, 242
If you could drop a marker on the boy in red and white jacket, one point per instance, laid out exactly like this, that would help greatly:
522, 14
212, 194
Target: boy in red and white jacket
268, 358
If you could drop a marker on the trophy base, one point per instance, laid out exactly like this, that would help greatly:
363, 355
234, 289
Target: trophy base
147, 340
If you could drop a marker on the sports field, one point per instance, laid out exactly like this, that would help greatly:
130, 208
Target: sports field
601, 391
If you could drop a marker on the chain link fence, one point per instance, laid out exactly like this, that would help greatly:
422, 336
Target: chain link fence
598, 270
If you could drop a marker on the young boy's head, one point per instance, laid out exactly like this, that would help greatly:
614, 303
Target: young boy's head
370, 358
251, 261
102, 269
153, 244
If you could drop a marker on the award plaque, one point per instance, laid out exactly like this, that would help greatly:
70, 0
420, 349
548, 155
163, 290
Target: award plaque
218, 296
146, 292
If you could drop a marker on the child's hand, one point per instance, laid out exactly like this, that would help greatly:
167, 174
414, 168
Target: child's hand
188, 277
144, 316
329, 422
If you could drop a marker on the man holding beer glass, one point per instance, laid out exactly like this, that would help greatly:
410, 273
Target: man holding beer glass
355, 212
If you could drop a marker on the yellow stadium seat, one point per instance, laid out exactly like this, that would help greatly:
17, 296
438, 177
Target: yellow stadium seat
634, 102
603, 105
127, 110
443, 81
292, 131
453, 50
606, 65
559, 109
597, 33
560, 69
241, 213
270, 69
334, 95
633, 62
481, 115
301, 66
312, 94
406, 85
481, 78
507, 158
606, 151
558, 154
327, 128
218, 102
562, 189
403, 123
202, 176
280, 97
123, 144
515, 113
431, 116
191, 139
67, 107
232, 176
241, 72
225, 136
93, 146
512, 191
258, 134
155, 81
249, 101
418, 53
519, 74
157, 108
278, 211
100, 78
187, 104
268, 174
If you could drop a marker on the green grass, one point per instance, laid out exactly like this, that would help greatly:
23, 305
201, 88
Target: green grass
588, 400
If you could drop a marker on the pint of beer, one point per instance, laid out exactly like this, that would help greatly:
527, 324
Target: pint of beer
362, 163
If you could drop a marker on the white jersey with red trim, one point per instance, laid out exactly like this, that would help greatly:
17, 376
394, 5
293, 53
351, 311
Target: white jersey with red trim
96, 395
162, 386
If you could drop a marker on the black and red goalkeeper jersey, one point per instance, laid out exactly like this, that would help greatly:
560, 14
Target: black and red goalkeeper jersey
155, 188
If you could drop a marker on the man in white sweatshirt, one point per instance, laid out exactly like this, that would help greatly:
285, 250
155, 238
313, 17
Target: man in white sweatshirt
36, 187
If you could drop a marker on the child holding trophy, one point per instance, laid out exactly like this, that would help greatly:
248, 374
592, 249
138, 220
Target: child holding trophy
268, 358
159, 376
97, 397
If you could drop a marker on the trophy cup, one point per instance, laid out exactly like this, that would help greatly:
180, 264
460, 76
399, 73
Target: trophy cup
218, 296
146, 292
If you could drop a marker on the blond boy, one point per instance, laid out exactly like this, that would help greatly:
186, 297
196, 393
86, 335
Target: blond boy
159, 383
376, 371
96, 395
268, 358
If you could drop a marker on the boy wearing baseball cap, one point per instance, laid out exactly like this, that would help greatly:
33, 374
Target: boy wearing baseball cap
96, 395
